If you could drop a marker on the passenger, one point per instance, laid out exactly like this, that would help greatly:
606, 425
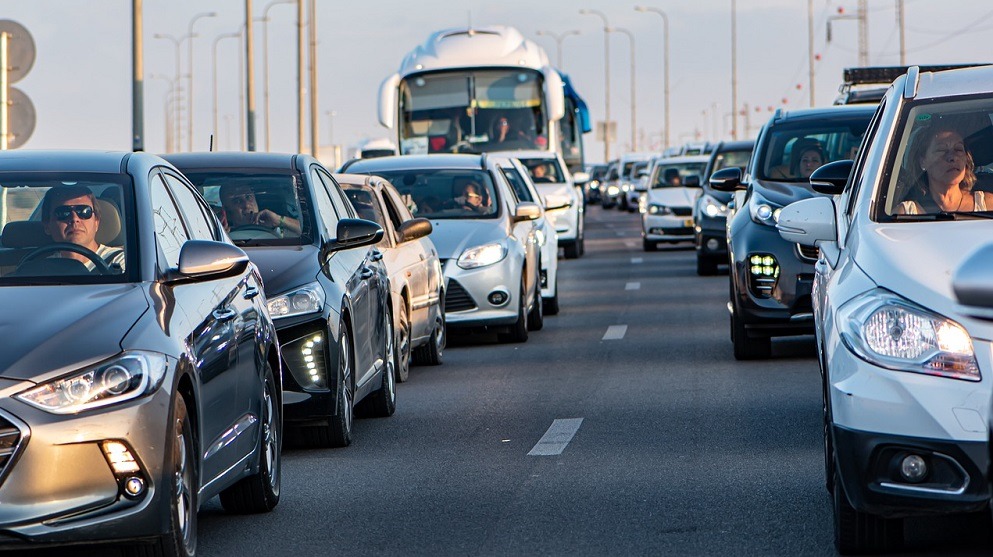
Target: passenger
242, 209
539, 173
806, 155
70, 214
943, 175
474, 198
672, 177
504, 133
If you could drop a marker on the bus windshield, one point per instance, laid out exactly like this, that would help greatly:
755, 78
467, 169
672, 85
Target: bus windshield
472, 111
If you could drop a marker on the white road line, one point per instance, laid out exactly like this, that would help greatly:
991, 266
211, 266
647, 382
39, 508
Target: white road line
615, 332
555, 440
632, 286
630, 244
636, 260
619, 232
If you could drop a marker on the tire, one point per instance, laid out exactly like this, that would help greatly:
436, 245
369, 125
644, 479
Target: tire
746, 348
552, 304
382, 402
571, 249
705, 266
432, 353
402, 344
857, 532
519, 330
259, 493
649, 245
339, 430
581, 237
536, 317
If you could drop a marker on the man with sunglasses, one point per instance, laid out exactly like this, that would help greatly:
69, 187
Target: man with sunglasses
70, 214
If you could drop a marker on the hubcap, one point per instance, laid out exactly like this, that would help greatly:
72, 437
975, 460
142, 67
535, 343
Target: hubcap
270, 439
403, 344
390, 358
346, 379
184, 490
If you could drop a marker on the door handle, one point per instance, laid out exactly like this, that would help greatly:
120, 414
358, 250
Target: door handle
251, 292
224, 314
376, 255
366, 273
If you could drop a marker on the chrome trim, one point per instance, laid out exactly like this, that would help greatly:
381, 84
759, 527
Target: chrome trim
802, 317
241, 426
240, 463
730, 308
15, 453
919, 489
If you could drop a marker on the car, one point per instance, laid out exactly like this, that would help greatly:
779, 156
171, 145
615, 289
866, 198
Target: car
562, 191
487, 240
417, 285
903, 308
328, 289
626, 177
594, 188
639, 184
140, 367
711, 208
610, 189
667, 209
771, 279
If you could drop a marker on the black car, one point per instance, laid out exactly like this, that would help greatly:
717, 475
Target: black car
771, 279
711, 209
140, 371
328, 288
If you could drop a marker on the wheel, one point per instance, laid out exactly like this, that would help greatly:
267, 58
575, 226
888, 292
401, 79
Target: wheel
259, 493
536, 317
571, 249
746, 348
402, 343
552, 304
519, 330
649, 245
432, 353
581, 236
705, 266
340, 423
383, 401
857, 532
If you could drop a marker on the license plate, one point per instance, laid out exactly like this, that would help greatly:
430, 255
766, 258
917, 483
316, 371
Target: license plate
687, 222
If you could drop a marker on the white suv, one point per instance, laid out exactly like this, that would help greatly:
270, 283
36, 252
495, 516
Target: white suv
556, 184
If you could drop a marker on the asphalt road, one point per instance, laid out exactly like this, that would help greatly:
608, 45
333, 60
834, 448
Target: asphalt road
680, 450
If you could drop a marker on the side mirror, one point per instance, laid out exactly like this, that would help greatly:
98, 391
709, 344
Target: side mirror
206, 258
355, 233
554, 92
388, 100
527, 211
692, 181
414, 229
972, 286
808, 222
832, 177
580, 178
727, 179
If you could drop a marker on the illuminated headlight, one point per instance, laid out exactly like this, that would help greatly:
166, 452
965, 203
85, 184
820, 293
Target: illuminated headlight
124, 377
763, 265
762, 211
894, 333
657, 209
713, 208
626, 187
303, 300
613, 190
481, 256
594, 185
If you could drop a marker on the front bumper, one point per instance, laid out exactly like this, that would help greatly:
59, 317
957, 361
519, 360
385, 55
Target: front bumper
711, 237
308, 397
467, 303
666, 227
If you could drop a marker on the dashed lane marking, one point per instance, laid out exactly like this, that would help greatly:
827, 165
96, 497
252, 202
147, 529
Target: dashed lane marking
615, 332
632, 286
637, 260
557, 438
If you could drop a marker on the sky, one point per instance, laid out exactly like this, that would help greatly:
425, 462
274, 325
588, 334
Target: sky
80, 83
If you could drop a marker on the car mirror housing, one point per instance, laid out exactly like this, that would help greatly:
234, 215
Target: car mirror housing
832, 177
414, 229
727, 179
972, 286
207, 258
355, 233
808, 222
527, 211
580, 178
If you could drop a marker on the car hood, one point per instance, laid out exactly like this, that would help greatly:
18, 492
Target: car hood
452, 236
285, 267
783, 194
76, 326
673, 197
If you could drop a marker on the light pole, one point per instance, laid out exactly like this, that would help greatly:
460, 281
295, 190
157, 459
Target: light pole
176, 43
734, 69
334, 152
634, 119
606, 80
217, 40
170, 92
189, 109
249, 68
665, 33
558, 42
265, 65
312, 35
137, 80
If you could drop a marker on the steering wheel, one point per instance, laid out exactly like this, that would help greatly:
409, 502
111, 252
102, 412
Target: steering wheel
98, 262
252, 232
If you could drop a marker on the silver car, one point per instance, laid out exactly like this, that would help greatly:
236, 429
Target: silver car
487, 239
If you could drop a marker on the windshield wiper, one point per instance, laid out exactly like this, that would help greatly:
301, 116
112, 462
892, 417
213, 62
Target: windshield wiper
928, 216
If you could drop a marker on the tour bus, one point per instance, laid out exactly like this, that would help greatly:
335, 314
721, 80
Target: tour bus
474, 90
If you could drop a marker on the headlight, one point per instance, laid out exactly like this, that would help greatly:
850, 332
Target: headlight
626, 187
481, 256
892, 332
656, 209
123, 377
306, 299
713, 208
762, 211
613, 190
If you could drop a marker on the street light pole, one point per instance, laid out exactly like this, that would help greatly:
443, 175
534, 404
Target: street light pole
217, 40
665, 33
170, 92
734, 69
634, 119
334, 152
300, 78
606, 80
265, 66
176, 43
250, 75
189, 109
558, 43
137, 79
314, 127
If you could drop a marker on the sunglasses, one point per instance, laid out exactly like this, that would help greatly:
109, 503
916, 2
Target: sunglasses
64, 212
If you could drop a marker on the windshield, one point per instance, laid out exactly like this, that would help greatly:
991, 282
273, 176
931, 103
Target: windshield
943, 163
364, 204
472, 112
250, 201
729, 159
673, 175
445, 194
544, 170
65, 228
793, 151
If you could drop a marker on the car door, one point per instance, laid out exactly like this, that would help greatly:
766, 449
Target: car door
412, 262
524, 232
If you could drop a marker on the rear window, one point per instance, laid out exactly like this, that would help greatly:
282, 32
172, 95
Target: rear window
445, 193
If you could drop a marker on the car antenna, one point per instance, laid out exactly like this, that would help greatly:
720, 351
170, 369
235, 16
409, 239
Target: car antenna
210, 145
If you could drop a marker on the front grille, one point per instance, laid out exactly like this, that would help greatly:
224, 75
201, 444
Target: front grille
10, 441
457, 299
682, 211
808, 253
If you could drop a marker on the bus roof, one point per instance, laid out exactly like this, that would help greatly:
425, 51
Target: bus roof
474, 47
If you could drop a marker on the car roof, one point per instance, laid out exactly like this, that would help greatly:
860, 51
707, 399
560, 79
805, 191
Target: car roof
226, 159
831, 112
954, 82
740, 145
405, 162
110, 162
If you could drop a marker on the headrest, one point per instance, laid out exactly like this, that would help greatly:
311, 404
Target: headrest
110, 224
31, 233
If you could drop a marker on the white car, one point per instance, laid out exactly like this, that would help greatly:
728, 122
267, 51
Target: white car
903, 308
559, 188
667, 207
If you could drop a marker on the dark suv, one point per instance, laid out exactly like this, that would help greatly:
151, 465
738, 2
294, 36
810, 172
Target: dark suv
771, 278
710, 213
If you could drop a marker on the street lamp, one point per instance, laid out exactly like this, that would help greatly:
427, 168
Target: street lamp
170, 92
665, 32
265, 64
558, 42
217, 40
189, 111
606, 80
334, 152
176, 43
634, 119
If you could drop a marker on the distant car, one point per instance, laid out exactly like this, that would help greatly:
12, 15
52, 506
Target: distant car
328, 288
626, 178
559, 189
711, 208
771, 279
610, 188
487, 243
639, 184
141, 378
417, 285
594, 188
667, 212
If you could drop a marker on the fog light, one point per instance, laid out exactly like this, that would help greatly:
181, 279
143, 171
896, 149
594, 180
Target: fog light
913, 468
713, 244
134, 486
498, 297
120, 458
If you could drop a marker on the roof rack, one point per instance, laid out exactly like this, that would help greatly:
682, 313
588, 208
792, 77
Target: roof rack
886, 74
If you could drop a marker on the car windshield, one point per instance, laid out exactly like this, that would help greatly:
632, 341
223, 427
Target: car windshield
671, 175
364, 204
728, 159
792, 151
65, 228
544, 170
244, 198
943, 164
445, 193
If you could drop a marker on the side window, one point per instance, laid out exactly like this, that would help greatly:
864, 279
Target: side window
170, 234
201, 225
325, 209
851, 193
341, 203
517, 184
391, 211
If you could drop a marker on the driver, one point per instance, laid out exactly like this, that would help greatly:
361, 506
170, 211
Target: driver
70, 214
241, 209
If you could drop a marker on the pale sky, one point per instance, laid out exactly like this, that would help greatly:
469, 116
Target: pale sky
80, 83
